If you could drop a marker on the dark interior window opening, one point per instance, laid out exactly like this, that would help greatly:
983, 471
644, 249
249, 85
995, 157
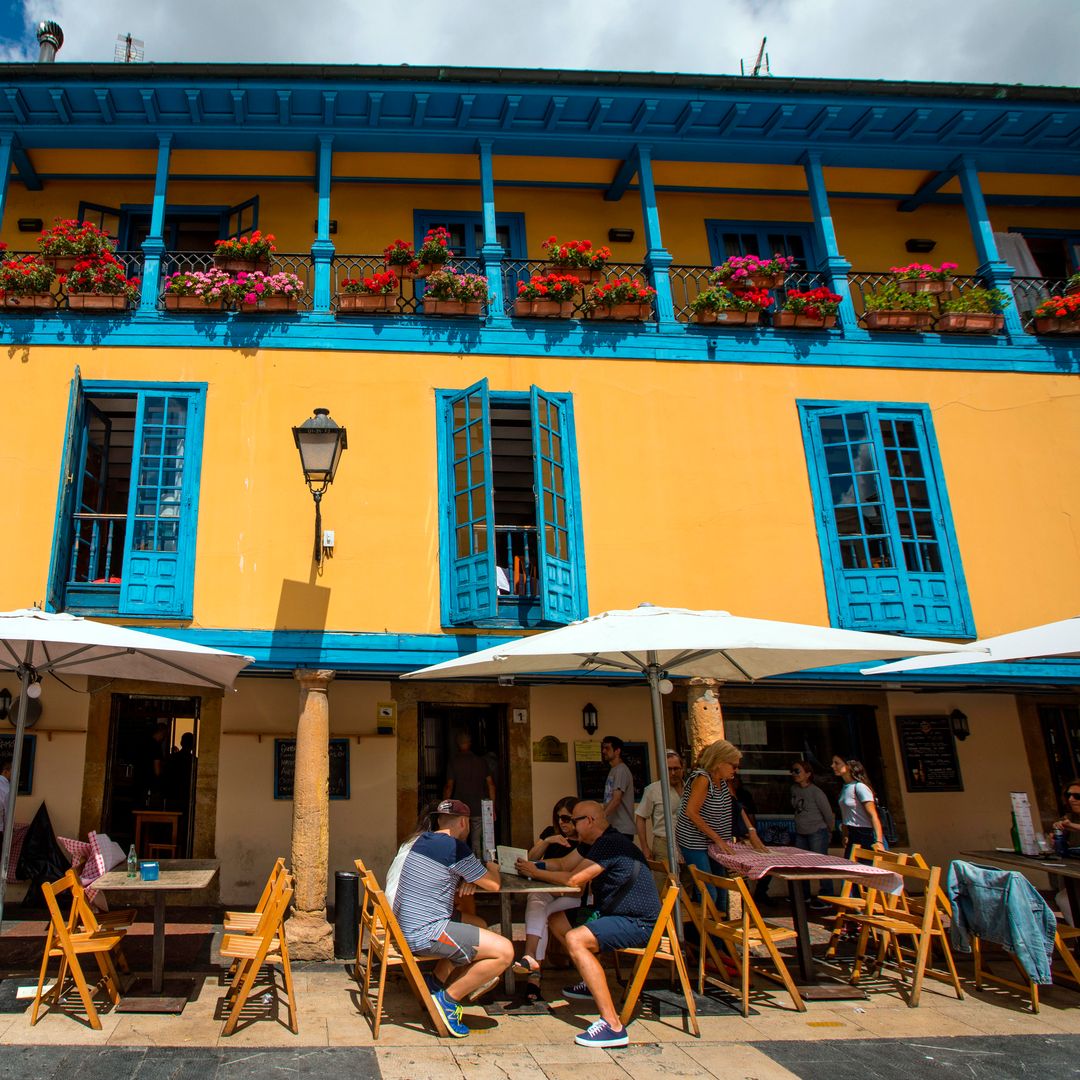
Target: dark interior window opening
514, 500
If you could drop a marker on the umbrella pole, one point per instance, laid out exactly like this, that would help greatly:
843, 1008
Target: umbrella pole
654, 672
13, 791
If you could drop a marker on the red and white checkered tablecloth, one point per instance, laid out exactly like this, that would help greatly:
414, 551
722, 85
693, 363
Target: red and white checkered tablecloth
788, 861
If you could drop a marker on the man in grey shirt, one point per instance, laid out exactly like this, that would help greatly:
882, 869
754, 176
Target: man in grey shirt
618, 788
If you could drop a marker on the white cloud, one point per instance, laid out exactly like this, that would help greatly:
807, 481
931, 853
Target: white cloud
990, 41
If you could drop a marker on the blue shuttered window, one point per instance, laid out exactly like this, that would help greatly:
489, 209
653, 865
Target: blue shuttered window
888, 546
511, 551
127, 512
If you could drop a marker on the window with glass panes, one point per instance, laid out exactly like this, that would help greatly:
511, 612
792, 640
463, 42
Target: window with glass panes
889, 550
762, 238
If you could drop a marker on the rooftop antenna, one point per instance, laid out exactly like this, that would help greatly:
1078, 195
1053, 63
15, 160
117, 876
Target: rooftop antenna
129, 50
761, 62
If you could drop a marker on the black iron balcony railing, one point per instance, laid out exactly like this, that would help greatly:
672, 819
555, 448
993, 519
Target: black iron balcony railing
132, 262
523, 270
173, 262
1029, 293
688, 281
410, 291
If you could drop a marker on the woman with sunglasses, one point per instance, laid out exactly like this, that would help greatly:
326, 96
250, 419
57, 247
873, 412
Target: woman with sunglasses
557, 839
1069, 824
858, 807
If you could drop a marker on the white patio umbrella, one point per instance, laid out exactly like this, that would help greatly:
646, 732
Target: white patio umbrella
34, 643
658, 641
1051, 639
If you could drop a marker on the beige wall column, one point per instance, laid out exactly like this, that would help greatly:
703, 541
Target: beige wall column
705, 721
310, 936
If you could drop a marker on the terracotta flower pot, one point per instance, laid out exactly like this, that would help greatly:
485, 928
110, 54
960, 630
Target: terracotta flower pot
96, 302
38, 301
898, 320
727, 318
544, 309
756, 281
585, 274
634, 312
426, 269
233, 265
1052, 325
969, 322
795, 320
367, 303
174, 302
925, 285
268, 305
402, 270
452, 307
62, 264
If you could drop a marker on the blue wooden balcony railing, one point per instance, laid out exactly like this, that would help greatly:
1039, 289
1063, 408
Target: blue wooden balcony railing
97, 550
517, 558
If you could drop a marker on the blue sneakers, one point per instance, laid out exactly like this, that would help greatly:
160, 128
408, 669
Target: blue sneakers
578, 992
451, 1013
602, 1035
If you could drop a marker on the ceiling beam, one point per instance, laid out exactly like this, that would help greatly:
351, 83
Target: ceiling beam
465, 108
689, 116
931, 187
554, 111
17, 104
25, 168
623, 175
105, 105
60, 104
509, 110
329, 104
374, 108
599, 111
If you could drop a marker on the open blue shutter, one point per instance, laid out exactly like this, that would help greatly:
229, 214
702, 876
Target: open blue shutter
158, 551
886, 544
553, 470
471, 509
65, 500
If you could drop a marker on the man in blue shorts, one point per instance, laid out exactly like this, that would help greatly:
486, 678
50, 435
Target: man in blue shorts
627, 907
438, 866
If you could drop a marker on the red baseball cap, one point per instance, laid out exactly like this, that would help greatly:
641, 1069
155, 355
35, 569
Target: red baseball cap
453, 806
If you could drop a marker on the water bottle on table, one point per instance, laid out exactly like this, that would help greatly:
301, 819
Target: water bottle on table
132, 863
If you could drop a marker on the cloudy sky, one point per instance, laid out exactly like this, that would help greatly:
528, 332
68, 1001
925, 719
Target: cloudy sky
976, 41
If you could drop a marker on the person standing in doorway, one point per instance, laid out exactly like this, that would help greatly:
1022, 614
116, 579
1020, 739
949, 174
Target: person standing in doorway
469, 781
618, 788
650, 811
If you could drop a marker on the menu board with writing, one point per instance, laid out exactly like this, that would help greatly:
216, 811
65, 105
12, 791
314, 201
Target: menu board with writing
928, 753
285, 768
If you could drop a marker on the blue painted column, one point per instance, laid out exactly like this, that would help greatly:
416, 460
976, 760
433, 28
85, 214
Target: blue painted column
154, 245
994, 272
322, 250
834, 264
6, 139
491, 253
657, 257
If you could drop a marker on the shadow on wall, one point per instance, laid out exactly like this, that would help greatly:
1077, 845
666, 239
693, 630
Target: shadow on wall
302, 607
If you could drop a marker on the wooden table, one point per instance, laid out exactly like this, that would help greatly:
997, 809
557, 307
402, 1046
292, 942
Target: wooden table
513, 885
177, 876
794, 865
1069, 869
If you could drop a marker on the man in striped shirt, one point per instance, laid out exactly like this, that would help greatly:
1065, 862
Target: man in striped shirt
439, 866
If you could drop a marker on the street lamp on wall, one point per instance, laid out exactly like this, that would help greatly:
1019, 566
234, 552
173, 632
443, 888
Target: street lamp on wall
590, 721
320, 442
959, 723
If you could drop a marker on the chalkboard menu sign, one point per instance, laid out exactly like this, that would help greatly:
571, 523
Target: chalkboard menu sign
285, 768
26, 765
591, 775
928, 752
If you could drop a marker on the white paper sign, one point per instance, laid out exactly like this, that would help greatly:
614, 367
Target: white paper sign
1025, 828
487, 812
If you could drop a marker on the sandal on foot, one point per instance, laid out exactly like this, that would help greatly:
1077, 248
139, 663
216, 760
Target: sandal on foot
527, 965
532, 991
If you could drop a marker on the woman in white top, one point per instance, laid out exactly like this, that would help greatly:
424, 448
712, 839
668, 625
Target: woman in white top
858, 807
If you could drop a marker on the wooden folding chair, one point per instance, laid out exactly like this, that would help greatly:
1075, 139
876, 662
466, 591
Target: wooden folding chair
663, 945
363, 871
266, 946
739, 937
387, 948
69, 944
892, 918
245, 922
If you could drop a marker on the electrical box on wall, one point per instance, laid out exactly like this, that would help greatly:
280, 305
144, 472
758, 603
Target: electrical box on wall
328, 538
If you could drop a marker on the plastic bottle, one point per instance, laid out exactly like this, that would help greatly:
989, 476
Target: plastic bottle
132, 863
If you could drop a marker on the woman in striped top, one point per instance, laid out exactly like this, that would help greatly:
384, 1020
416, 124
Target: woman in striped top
705, 815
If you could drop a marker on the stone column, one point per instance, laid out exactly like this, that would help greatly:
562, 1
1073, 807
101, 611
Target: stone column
310, 936
705, 721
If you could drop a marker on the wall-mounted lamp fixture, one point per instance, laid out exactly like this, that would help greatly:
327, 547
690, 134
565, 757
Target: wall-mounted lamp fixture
5, 703
506, 680
320, 442
919, 246
31, 224
959, 723
332, 230
590, 721
620, 236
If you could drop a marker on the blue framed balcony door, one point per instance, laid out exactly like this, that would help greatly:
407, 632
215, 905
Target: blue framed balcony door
889, 551
764, 239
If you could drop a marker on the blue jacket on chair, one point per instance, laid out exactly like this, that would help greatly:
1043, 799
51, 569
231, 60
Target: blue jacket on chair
1002, 906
